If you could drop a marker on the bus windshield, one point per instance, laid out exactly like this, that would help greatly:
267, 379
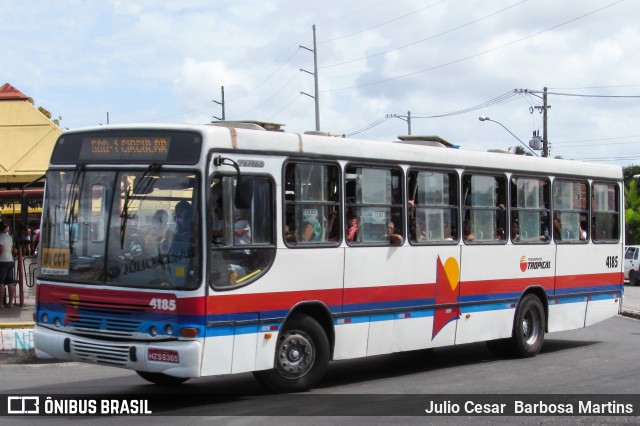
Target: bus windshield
121, 228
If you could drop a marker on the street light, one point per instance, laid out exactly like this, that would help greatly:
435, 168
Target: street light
484, 118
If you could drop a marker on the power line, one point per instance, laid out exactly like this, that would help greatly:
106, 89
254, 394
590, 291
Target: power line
270, 97
367, 127
476, 54
424, 39
499, 99
592, 96
383, 23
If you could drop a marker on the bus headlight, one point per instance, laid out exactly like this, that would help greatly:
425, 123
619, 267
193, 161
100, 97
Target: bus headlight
57, 322
168, 330
153, 331
44, 318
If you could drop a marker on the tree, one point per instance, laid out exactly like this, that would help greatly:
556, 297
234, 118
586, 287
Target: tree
632, 205
47, 114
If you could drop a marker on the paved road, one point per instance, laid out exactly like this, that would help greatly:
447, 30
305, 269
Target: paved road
601, 359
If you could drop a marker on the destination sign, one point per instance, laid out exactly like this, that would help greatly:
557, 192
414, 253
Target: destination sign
131, 148
120, 146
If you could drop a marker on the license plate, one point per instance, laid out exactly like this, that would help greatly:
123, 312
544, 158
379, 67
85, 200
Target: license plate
162, 355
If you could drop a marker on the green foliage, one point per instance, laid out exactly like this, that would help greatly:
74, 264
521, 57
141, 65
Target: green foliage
632, 206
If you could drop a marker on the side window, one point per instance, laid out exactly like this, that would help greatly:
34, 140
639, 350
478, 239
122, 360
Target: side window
570, 211
374, 206
242, 236
606, 214
312, 204
433, 207
529, 210
485, 214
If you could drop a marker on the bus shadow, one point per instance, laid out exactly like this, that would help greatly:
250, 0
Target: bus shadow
242, 393
422, 361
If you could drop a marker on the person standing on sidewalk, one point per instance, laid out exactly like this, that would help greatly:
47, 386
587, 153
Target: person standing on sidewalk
6, 264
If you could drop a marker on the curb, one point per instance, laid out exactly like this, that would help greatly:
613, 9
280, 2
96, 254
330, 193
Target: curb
630, 313
18, 324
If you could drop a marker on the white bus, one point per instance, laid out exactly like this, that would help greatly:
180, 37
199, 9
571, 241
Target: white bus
182, 251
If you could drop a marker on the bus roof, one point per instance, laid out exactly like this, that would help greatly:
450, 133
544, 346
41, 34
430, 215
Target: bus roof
407, 152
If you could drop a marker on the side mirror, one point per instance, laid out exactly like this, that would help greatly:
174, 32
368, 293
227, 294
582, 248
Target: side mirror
244, 192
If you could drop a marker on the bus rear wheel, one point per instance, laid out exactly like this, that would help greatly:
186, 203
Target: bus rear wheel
302, 357
633, 277
161, 378
528, 327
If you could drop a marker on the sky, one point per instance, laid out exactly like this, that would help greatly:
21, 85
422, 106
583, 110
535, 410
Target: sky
444, 62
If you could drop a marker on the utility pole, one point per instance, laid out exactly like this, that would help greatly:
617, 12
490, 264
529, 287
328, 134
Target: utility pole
406, 118
316, 96
545, 141
221, 104
543, 110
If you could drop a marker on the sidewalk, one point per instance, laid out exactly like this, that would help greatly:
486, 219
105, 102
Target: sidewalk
16, 325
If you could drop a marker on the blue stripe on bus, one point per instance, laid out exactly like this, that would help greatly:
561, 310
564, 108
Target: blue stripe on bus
486, 307
592, 289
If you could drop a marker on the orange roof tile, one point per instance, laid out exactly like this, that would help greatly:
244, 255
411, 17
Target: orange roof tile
10, 93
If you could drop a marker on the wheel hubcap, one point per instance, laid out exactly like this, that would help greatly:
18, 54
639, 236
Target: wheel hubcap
295, 355
530, 327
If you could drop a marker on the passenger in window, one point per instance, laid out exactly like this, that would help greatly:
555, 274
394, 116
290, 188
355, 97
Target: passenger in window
582, 232
417, 231
334, 232
241, 232
500, 234
352, 227
515, 230
311, 230
467, 231
394, 238
289, 235
184, 219
218, 225
160, 231
557, 226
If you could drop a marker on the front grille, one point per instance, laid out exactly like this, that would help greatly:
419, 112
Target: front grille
111, 327
101, 353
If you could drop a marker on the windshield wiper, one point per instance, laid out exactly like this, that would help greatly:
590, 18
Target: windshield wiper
74, 196
141, 185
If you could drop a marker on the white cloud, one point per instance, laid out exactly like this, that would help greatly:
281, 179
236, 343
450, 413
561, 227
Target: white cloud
148, 60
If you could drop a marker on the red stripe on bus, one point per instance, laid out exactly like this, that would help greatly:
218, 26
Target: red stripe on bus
389, 293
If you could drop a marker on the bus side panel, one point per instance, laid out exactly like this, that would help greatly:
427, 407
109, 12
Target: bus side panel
567, 313
351, 337
218, 354
608, 258
493, 279
586, 286
400, 284
380, 327
244, 349
250, 317
601, 307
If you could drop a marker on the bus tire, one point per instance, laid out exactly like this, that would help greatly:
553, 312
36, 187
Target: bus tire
633, 277
528, 327
161, 378
302, 357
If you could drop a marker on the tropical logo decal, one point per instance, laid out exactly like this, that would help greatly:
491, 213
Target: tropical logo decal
447, 280
529, 263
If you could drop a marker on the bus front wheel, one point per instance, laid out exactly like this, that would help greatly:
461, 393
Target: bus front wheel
302, 357
161, 378
528, 327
